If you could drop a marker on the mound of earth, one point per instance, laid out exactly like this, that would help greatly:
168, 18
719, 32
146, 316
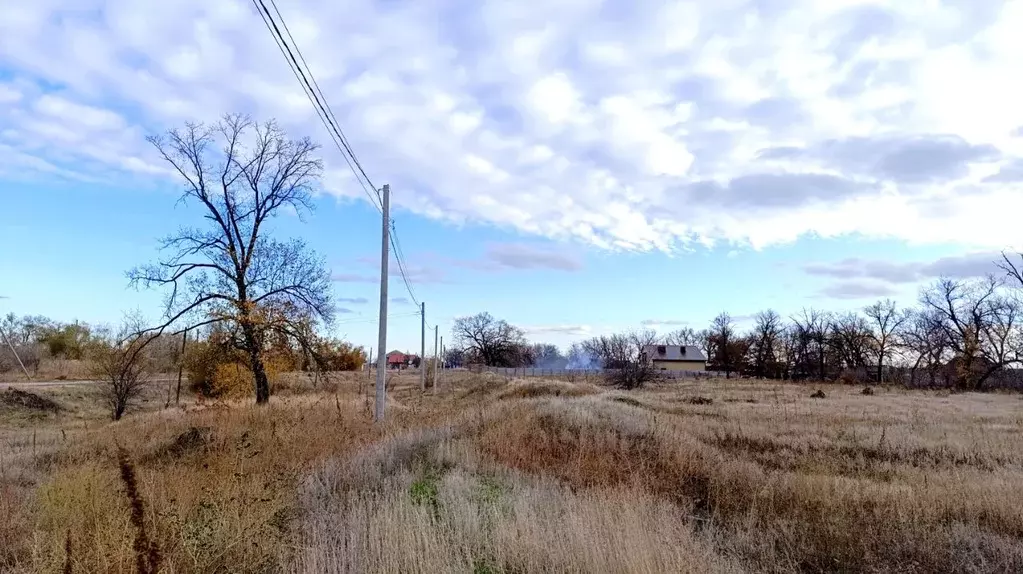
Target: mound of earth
193, 439
24, 400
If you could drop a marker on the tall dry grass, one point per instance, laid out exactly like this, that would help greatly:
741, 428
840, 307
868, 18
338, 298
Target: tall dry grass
487, 477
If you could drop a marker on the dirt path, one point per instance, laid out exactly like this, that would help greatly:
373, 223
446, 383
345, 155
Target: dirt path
40, 384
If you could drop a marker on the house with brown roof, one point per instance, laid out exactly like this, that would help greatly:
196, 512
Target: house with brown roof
674, 357
399, 360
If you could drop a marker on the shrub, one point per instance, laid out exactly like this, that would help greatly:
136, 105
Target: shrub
217, 371
201, 361
630, 374
336, 355
68, 341
123, 366
30, 356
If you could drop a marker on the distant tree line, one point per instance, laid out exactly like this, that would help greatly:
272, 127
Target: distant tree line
125, 357
963, 333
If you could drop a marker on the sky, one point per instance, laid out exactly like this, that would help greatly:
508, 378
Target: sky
575, 167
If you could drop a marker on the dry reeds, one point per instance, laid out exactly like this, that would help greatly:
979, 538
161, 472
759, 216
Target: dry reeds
538, 476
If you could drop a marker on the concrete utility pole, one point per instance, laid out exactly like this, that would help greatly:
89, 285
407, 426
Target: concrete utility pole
381, 394
436, 331
20, 364
422, 349
440, 364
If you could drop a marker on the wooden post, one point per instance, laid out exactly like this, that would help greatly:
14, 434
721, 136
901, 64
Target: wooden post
181, 364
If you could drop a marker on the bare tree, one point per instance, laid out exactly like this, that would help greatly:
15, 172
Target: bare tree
812, 342
580, 356
620, 356
642, 338
1002, 335
684, 336
544, 355
886, 323
231, 271
705, 342
122, 362
850, 343
1012, 270
492, 341
728, 350
764, 341
925, 342
454, 357
787, 350
970, 314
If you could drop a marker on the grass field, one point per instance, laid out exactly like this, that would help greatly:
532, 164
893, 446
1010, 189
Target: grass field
517, 476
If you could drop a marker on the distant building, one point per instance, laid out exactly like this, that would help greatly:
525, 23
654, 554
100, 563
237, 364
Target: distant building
674, 357
399, 360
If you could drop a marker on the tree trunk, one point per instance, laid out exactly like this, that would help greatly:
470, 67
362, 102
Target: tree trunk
880, 369
256, 364
181, 365
259, 374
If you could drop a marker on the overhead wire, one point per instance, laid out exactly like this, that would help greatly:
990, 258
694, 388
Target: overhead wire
399, 255
374, 320
329, 120
322, 110
336, 124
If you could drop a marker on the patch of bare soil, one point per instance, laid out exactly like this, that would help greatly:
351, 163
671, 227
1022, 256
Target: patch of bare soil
25, 401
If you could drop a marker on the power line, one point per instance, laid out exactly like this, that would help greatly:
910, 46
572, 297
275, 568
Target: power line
319, 107
332, 117
329, 120
374, 320
399, 255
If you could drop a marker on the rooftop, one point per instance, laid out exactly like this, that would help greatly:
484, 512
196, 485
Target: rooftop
674, 353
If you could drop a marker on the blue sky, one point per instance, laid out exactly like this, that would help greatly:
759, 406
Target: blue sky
575, 167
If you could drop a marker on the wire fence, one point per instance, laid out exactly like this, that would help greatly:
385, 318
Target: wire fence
538, 372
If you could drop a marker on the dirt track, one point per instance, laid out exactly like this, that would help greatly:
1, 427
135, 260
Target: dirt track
31, 384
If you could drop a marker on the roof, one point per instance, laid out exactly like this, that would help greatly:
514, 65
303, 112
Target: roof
674, 353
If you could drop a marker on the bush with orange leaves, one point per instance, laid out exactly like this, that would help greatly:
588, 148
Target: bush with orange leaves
218, 370
337, 355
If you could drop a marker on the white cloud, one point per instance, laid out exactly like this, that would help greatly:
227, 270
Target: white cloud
648, 134
565, 330
9, 95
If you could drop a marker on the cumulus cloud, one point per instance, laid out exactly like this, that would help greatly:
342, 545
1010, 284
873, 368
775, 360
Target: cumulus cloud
400, 301
647, 126
662, 322
857, 290
353, 300
569, 330
918, 159
1010, 172
525, 256
854, 269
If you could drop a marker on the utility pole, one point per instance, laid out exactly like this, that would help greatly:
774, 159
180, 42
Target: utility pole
20, 364
381, 394
440, 364
436, 331
422, 349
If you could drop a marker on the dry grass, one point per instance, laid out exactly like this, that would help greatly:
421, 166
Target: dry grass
52, 370
493, 475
